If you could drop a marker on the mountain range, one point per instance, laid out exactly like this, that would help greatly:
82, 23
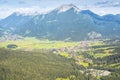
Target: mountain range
66, 22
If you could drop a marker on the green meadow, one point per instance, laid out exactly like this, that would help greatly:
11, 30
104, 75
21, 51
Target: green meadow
33, 43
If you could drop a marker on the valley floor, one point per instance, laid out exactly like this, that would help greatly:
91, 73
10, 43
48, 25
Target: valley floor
33, 59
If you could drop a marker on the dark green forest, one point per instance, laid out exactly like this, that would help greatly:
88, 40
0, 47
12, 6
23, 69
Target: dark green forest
36, 65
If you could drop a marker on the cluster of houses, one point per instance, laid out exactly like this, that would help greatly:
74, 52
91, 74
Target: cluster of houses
71, 49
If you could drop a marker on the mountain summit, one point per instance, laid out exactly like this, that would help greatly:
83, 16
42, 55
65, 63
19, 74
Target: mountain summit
71, 24
65, 7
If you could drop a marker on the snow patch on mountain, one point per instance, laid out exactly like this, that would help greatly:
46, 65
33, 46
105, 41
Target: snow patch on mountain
27, 13
64, 8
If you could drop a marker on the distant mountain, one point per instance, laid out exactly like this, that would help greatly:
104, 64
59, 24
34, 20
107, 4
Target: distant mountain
1, 31
67, 22
15, 19
111, 17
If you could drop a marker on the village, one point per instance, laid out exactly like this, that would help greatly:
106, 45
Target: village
73, 51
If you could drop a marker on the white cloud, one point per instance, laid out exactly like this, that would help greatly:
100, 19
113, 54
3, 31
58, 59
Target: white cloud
28, 10
31, 9
105, 10
5, 12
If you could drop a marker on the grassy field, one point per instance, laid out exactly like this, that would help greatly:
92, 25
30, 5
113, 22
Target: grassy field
33, 43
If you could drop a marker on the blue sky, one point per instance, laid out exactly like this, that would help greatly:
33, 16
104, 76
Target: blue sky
100, 7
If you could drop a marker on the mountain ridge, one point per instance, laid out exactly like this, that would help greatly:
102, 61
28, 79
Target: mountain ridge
68, 24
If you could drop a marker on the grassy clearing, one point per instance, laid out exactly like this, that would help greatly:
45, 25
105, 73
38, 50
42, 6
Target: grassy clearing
116, 65
80, 56
71, 77
85, 64
97, 43
64, 54
101, 55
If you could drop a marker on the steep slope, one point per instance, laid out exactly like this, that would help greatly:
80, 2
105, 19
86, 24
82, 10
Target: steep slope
14, 20
36, 65
67, 22
1, 31
111, 17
